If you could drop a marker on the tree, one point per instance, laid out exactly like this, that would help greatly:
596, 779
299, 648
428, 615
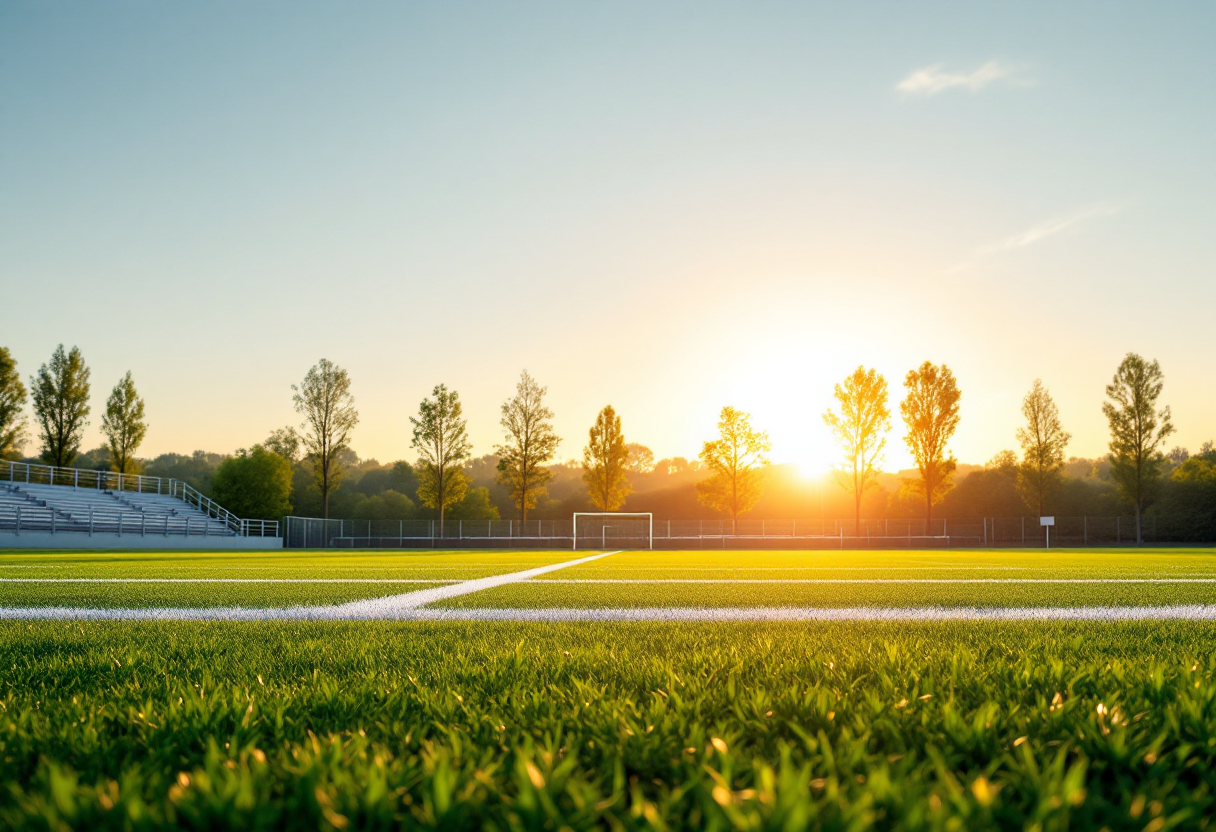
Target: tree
930, 410
640, 459
604, 462
285, 442
1137, 431
1043, 440
254, 484
860, 428
329, 416
124, 425
530, 444
475, 505
736, 460
61, 405
442, 441
12, 403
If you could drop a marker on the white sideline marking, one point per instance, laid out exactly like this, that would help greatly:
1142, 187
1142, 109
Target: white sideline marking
874, 581
361, 611
228, 581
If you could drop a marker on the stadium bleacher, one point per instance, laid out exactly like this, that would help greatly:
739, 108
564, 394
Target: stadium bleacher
64, 509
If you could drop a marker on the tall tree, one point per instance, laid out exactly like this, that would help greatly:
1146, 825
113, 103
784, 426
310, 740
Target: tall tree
930, 410
61, 405
325, 400
124, 425
442, 441
860, 428
736, 460
605, 460
1137, 431
12, 405
530, 444
1043, 440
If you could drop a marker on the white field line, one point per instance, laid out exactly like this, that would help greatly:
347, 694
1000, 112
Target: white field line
228, 581
874, 581
363, 611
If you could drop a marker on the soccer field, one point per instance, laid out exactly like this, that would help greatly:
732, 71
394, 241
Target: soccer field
297, 718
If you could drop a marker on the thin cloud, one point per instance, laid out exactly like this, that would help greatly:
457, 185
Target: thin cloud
1038, 232
931, 80
1055, 225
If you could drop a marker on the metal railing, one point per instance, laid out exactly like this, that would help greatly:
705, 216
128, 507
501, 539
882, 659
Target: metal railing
33, 474
308, 532
34, 518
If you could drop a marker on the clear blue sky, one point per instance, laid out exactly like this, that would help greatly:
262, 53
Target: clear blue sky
669, 207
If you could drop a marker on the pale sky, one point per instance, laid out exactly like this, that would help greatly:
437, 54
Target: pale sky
666, 207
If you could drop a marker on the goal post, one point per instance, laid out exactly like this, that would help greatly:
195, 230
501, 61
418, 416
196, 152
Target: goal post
605, 526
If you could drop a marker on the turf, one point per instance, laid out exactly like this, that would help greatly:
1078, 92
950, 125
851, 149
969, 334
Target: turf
143, 595
583, 595
498, 725
512, 726
443, 564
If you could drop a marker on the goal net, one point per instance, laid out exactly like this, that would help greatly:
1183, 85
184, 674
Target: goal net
613, 530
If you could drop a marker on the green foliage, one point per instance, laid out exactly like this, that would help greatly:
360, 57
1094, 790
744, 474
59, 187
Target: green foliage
736, 462
196, 468
254, 484
387, 505
530, 445
630, 726
1137, 431
61, 405
442, 440
124, 426
325, 401
931, 414
12, 405
1043, 440
606, 462
476, 505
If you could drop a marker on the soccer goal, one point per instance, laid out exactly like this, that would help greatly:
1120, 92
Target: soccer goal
614, 528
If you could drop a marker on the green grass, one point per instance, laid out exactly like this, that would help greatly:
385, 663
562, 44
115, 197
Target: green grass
441, 564
141, 595
614, 726
981, 563
596, 596
379, 725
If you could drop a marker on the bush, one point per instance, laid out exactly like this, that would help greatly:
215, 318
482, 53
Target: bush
254, 484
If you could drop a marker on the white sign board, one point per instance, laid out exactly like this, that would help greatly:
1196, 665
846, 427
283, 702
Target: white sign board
1047, 521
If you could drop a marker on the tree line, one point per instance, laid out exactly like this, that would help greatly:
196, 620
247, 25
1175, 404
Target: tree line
730, 474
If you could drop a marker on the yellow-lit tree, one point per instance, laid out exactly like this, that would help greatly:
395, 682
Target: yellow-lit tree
605, 461
930, 411
736, 460
860, 427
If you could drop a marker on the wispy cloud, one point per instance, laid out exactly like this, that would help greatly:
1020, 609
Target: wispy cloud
931, 80
1040, 231
1055, 225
